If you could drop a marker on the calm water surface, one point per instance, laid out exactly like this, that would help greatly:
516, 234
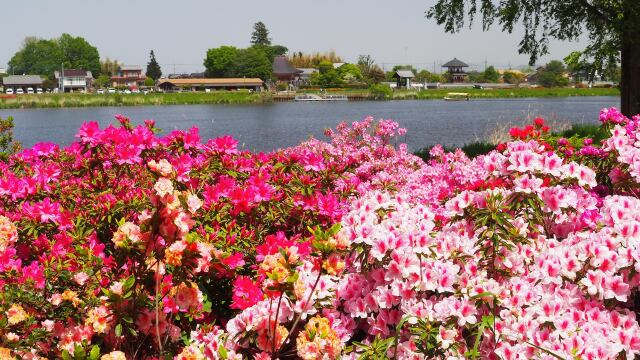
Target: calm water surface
272, 126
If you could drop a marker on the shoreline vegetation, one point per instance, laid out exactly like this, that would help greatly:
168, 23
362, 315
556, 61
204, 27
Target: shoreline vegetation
242, 97
574, 133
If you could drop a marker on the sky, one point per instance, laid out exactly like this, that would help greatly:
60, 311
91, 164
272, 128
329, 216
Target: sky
180, 32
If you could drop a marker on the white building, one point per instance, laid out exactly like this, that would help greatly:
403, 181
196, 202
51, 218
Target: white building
74, 79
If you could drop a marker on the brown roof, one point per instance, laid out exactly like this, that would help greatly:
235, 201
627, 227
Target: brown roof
216, 81
75, 72
282, 66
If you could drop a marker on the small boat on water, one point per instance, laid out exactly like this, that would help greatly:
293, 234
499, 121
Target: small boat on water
314, 97
457, 97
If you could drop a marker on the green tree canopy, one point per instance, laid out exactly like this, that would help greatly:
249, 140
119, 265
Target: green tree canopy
325, 66
553, 74
149, 81
490, 75
260, 35
611, 26
350, 71
153, 68
102, 81
43, 57
219, 61
252, 63
272, 50
427, 76
79, 54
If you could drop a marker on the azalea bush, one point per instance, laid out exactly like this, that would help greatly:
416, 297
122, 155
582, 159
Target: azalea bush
128, 244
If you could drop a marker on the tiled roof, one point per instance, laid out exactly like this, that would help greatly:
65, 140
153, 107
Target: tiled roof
212, 81
455, 63
22, 80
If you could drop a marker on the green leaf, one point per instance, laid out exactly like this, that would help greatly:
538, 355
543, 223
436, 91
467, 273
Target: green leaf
128, 284
79, 353
95, 353
118, 330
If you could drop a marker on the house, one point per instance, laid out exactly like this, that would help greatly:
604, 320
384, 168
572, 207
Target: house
305, 73
283, 70
130, 76
338, 64
74, 79
210, 84
532, 78
3, 71
403, 79
22, 82
455, 69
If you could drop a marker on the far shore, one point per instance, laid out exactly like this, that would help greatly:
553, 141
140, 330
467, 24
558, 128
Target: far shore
245, 97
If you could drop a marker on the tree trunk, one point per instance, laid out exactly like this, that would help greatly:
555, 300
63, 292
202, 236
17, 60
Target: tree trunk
630, 80
630, 58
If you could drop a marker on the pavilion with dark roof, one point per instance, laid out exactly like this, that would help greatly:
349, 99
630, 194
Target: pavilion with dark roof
283, 70
403, 78
455, 69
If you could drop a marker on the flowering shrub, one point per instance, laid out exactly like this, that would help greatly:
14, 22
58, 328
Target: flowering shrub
130, 245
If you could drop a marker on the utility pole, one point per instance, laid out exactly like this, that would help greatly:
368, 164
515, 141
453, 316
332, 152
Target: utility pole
62, 79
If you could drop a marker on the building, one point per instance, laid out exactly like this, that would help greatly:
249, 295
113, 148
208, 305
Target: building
305, 73
210, 84
22, 82
3, 71
75, 79
130, 76
455, 68
403, 79
283, 70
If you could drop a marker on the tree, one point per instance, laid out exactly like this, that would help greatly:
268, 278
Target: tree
350, 73
371, 73
553, 74
109, 67
611, 26
301, 60
8, 145
153, 68
490, 75
475, 76
511, 77
252, 63
102, 81
43, 57
327, 76
77, 53
365, 63
260, 35
272, 51
325, 66
376, 75
149, 82
427, 76
219, 61
37, 57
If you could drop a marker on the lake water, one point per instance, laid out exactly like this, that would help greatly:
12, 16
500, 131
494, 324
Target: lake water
272, 126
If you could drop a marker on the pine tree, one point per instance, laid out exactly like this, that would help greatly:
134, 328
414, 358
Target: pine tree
260, 35
153, 68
